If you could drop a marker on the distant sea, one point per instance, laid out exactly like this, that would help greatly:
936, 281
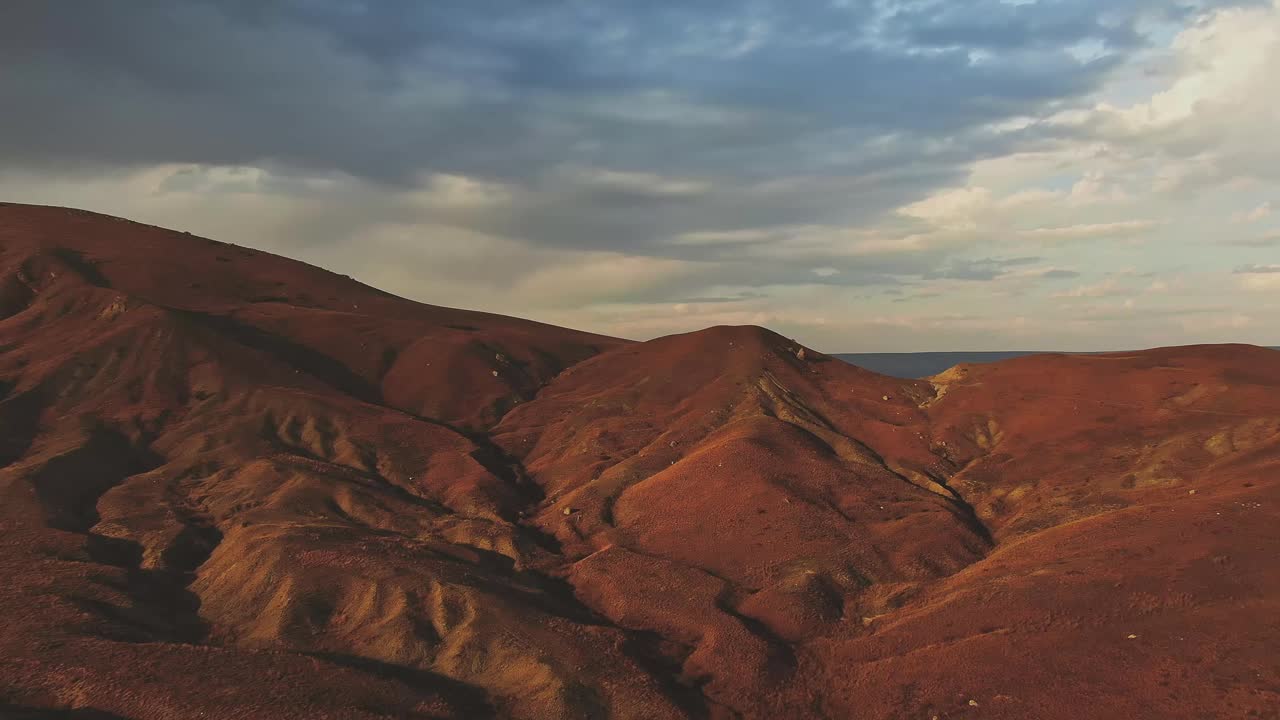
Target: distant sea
924, 364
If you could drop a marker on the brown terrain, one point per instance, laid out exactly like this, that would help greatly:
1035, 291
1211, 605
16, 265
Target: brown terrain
236, 486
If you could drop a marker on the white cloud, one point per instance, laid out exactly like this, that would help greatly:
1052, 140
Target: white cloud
1260, 283
1106, 288
1215, 121
1092, 231
1259, 213
1094, 188
723, 237
1268, 240
636, 183
597, 278
954, 209
1259, 278
456, 192
1200, 323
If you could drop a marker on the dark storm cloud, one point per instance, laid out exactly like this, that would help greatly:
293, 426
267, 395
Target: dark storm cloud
1003, 26
500, 88
771, 113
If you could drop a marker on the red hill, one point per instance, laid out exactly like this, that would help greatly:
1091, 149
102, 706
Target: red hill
234, 485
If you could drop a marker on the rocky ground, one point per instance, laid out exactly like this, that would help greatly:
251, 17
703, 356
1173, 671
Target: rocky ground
237, 486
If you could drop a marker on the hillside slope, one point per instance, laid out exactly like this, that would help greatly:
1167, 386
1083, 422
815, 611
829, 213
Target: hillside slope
234, 485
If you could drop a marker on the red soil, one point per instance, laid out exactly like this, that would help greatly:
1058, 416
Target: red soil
234, 485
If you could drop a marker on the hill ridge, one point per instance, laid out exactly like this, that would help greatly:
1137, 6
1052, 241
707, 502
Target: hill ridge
251, 487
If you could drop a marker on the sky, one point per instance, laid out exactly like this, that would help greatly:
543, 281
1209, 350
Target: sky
861, 175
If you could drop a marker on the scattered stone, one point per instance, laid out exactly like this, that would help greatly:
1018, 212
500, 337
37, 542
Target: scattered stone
1191, 492
495, 373
568, 511
800, 353
885, 397
114, 310
973, 703
1131, 636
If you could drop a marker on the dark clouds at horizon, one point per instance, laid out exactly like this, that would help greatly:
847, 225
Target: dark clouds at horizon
604, 127
501, 89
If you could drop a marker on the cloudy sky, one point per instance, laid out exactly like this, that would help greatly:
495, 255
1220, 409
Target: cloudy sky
862, 175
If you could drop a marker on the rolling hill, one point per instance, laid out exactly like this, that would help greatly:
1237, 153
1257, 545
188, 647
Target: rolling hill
235, 485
